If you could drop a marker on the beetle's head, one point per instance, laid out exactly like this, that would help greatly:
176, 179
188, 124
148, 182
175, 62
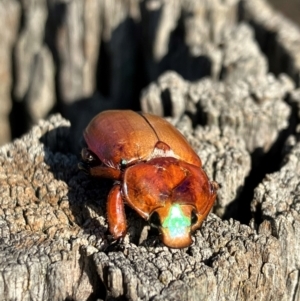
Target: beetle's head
175, 223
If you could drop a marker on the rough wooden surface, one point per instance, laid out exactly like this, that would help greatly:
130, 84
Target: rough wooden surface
10, 16
220, 95
279, 37
277, 200
253, 107
54, 242
81, 56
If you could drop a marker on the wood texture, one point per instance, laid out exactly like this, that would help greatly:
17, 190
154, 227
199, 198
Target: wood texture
55, 243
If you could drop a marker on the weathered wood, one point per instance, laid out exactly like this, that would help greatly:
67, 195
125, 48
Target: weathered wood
34, 63
220, 95
55, 243
276, 199
279, 37
10, 17
253, 107
65, 52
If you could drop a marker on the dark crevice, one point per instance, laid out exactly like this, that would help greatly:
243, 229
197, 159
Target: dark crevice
103, 70
261, 166
54, 21
140, 77
179, 59
279, 60
201, 116
269, 46
88, 267
128, 65
19, 117
120, 298
166, 102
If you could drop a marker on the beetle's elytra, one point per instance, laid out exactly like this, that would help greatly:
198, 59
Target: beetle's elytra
157, 174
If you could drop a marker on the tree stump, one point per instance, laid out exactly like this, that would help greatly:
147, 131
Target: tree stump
206, 67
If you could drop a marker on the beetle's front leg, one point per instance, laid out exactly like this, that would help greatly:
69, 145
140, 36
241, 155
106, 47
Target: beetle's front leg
100, 171
116, 213
94, 167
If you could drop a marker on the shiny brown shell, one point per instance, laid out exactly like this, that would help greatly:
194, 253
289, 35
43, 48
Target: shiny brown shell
127, 137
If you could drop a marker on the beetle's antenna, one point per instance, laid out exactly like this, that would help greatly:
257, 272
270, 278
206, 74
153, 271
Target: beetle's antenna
141, 114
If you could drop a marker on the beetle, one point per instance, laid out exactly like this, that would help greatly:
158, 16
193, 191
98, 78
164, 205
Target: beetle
156, 173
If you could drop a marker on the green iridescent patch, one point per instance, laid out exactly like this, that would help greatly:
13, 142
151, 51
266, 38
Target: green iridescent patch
176, 222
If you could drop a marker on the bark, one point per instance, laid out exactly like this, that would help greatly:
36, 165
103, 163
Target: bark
61, 54
10, 15
242, 120
55, 243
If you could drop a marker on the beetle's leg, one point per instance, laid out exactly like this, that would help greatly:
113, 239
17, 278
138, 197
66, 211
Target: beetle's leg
102, 171
116, 213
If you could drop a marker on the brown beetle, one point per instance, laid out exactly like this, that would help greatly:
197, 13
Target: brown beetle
157, 174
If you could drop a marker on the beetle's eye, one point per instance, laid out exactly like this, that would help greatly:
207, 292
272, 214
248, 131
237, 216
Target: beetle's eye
90, 158
194, 218
87, 155
154, 220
